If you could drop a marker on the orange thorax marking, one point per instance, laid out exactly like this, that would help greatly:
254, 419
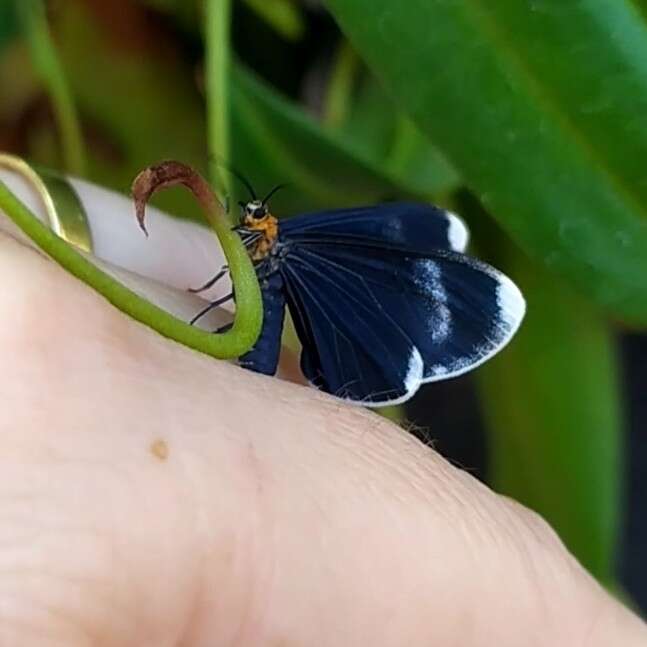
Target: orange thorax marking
268, 227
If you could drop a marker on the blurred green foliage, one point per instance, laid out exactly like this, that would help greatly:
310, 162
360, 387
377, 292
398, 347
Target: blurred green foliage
553, 408
545, 122
8, 23
539, 123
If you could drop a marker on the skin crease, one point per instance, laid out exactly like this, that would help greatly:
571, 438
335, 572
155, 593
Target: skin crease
153, 497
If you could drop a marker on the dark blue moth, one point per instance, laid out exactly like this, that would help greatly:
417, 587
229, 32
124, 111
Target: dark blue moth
383, 298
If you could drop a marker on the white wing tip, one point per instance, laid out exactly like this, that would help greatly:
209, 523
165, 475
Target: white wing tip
458, 234
413, 380
415, 371
511, 303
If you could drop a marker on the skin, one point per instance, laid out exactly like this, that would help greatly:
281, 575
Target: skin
153, 497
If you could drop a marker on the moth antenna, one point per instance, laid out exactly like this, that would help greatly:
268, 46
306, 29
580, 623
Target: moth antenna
272, 192
245, 181
237, 174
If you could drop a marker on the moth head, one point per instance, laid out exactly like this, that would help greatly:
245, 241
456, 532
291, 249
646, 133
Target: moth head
254, 214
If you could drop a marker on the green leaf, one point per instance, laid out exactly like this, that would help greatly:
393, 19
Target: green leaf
551, 401
377, 128
283, 15
540, 106
277, 142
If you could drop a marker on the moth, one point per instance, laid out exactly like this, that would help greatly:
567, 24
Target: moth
383, 298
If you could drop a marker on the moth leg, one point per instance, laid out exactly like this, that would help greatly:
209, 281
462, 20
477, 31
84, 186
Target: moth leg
212, 281
211, 306
224, 328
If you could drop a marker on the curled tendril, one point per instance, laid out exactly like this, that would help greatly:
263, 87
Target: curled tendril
249, 308
249, 313
171, 173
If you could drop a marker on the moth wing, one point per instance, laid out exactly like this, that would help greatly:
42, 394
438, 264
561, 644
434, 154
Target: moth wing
368, 316
349, 350
402, 225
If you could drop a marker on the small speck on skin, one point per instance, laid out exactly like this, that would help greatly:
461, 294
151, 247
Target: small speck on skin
159, 449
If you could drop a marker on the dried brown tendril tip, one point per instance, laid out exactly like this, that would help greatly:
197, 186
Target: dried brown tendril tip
166, 174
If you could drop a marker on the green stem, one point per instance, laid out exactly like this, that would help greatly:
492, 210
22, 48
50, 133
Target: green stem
340, 87
283, 15
50, 70
248, 320
217, 71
